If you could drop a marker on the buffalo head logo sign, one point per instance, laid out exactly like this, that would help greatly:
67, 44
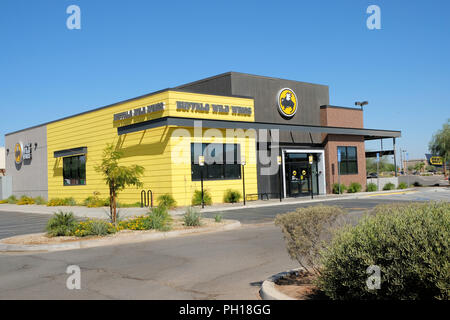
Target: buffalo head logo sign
18, 152
287, 102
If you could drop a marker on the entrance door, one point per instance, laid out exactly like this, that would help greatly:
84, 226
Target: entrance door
297, 179
298, 175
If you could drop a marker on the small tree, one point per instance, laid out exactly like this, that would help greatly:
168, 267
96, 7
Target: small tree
117, 177
440, 143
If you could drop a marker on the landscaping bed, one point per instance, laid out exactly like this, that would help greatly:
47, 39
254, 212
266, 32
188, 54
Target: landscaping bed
176, 225
299, 285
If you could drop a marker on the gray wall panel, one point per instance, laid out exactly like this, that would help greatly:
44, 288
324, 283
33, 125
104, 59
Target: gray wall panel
30, 177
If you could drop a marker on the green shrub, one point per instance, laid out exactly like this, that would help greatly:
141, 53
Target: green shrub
61, 224
354, 187
402, 185
336, 188
410, 243
25, 200
218, 218
94, 227
192, 218
158, 219
197, 198
232, 196
54, 202
95, 202
11, 200
306, 231
371, 187
39, 200
167, 201
389, 186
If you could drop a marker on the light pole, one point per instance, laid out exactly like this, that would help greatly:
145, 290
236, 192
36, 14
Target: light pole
361, 103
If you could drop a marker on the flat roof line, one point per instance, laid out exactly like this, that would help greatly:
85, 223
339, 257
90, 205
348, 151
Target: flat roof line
120, 102
228, 124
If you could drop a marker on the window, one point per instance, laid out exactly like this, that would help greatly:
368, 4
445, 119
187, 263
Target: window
74, 170
349, 163
222, 161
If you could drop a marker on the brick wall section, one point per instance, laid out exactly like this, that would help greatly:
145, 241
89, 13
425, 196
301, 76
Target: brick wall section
332, 116
342, 117
331, 175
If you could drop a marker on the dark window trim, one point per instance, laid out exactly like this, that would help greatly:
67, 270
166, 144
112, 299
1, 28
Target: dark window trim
70, 152
78, 173
346, 161
223, 165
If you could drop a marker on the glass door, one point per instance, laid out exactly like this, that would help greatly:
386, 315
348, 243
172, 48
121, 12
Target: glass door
299, 179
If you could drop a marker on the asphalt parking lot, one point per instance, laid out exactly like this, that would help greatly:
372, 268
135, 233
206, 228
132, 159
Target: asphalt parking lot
17, 223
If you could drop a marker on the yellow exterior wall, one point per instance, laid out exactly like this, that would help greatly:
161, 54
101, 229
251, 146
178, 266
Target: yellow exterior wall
151, 149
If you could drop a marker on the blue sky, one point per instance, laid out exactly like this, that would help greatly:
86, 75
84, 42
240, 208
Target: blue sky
128, 48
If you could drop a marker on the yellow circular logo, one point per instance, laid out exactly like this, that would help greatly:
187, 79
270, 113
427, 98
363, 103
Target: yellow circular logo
18, 152
287, 102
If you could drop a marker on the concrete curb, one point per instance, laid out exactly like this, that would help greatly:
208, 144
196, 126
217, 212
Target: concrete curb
358, 195
108, 241
268, 290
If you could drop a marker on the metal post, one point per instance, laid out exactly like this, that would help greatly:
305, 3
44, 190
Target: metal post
378, 174
243, 182
201, 179
310, 181
339, 171
279, 181
395, 156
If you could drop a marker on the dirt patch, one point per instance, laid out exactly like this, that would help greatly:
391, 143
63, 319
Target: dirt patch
42, 238
299, 285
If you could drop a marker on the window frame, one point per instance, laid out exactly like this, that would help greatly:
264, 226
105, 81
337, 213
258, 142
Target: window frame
195, 167
80, 176
345, 161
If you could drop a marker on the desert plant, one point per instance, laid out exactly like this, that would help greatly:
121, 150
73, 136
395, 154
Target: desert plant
354, 187
192, 218
94, 201
409, 243
402, 185
336, 188
157, 218
371, 187
218, 218
306, 231
167, 201
10, 200
389, 186
56, 202
40, 200
197, 198
232, 196
25, 200
94, 227
61, 224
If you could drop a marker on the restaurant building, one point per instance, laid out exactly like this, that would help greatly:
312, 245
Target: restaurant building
262, 135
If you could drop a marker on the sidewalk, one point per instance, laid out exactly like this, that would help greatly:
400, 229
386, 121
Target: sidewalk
102, 213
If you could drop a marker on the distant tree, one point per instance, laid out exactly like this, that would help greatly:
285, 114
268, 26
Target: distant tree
383, 166
419, 166
117, 177
440, 143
